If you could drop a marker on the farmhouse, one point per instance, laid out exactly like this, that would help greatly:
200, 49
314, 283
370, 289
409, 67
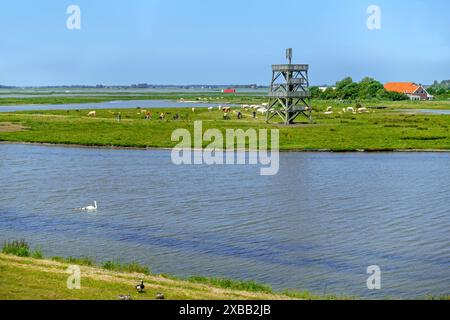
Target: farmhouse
229, 90
412, 90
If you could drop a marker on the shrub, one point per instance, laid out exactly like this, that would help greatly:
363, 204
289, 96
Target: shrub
233, 284
133, 267
82, 261
18, 248
37, 254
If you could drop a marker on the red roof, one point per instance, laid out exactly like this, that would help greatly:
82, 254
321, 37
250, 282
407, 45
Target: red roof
402, 87
228, 90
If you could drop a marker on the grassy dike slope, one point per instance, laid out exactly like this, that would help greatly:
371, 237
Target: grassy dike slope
36, 279
375, 131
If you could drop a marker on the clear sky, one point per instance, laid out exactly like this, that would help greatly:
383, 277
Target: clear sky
220, 42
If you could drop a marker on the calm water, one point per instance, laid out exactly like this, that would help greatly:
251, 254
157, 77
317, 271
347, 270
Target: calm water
430, 111
48, 92
317, 225
112, 105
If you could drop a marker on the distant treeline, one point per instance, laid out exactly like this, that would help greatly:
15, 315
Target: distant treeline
367, 88
440, 89
144, 86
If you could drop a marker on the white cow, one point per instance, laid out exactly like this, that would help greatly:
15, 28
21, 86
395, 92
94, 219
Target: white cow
329, 110
363, 110
262, 110
92, 114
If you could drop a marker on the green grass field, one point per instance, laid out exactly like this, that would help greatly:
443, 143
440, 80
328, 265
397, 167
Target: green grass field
381, 130
39, 98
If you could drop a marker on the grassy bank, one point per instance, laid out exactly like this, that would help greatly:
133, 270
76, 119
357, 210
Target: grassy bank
29, 278
381, 130
25, 274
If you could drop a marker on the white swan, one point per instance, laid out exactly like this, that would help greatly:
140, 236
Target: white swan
89, 208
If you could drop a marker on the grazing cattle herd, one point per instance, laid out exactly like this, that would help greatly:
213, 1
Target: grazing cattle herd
227, 110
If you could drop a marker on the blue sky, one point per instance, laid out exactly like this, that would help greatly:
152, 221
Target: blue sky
220, 42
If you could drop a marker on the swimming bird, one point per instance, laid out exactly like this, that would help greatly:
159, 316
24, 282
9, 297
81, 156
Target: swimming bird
89, 208
140, 287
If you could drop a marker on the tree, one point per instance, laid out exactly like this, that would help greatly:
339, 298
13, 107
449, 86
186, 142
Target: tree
382, 94
343, 83
368, 88
395, 96
329, 94
350, 91
367, 80
315, 92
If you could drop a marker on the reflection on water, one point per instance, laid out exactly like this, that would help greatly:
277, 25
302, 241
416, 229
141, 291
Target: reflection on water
317, 225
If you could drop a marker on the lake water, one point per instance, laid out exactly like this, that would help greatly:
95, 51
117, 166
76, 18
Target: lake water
49, 92
317, 225
428, 111
112, 105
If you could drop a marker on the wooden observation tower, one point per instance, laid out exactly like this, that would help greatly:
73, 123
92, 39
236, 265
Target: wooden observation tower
289, 94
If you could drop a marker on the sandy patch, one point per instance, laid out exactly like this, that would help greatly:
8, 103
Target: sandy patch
10, 127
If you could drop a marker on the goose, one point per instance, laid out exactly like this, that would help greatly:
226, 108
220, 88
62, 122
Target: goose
89, 208
140, 287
